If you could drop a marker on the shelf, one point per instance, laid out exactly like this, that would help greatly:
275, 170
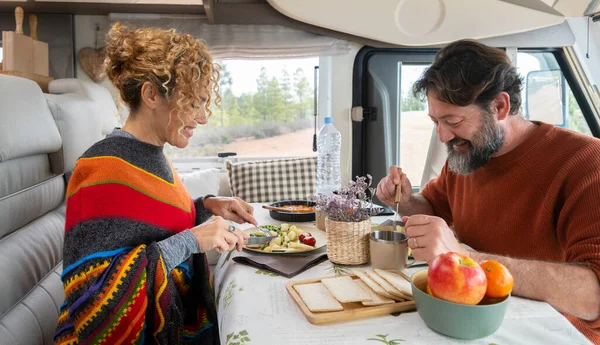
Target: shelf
101, 8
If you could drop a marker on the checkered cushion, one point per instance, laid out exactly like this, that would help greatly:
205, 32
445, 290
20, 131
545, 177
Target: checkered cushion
274, 180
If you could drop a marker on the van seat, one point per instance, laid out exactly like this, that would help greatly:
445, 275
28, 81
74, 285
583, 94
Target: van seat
41, 137
436, 158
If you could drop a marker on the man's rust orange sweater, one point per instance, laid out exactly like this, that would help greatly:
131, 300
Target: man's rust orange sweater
538, 201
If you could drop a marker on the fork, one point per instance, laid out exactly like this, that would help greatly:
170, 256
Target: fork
397, 197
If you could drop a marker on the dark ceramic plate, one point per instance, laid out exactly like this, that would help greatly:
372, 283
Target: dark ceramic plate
292, 216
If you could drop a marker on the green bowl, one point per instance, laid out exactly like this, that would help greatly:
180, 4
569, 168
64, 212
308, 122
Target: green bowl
455, 320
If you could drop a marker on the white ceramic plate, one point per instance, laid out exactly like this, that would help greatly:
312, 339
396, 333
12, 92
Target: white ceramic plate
319, 235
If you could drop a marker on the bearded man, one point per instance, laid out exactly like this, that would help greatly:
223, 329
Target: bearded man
524, 193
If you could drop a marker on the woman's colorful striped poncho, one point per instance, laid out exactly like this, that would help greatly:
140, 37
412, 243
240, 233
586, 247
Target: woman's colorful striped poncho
123, 197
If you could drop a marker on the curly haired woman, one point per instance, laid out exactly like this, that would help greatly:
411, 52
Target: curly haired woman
135, 271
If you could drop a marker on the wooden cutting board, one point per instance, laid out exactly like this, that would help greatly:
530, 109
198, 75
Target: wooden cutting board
40, 49
352, 311
17, 48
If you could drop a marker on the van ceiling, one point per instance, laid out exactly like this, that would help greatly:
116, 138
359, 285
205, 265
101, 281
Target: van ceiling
399, 22
568, 8
432, 22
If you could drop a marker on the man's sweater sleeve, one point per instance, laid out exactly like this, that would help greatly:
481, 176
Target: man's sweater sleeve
578, 220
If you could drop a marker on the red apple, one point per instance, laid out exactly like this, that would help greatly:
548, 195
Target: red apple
456, 278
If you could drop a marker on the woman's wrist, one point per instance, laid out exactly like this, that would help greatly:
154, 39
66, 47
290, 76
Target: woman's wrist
206, 198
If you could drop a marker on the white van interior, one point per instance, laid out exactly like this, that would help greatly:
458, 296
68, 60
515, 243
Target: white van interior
349, 59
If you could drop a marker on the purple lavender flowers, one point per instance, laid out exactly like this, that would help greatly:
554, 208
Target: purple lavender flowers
353, 203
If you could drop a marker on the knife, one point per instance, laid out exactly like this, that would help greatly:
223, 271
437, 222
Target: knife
261, 240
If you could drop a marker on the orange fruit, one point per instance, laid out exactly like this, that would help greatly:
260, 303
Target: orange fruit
499, 279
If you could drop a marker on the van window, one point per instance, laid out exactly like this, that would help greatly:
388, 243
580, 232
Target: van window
266, 111
546, 93
415, 126
396, 129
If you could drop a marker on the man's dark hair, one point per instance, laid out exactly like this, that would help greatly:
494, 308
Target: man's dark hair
467, 72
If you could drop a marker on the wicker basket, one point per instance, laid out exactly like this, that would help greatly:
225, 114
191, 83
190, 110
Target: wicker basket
348, 242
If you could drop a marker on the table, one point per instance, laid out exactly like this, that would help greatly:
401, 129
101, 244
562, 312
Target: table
254, 307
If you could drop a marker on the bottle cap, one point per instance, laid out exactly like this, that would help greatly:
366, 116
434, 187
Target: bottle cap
328, 119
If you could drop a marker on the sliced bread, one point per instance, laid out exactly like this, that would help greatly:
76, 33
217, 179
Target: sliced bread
384, 284
317, 297
376, 299
345, 290
374, 286
398, 281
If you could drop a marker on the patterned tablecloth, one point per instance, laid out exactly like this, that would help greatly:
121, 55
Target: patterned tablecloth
254, 308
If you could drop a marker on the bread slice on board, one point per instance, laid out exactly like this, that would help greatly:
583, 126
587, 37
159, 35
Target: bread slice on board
384, 284
375, 287
345, 290
376, 299
396, 280
317, 297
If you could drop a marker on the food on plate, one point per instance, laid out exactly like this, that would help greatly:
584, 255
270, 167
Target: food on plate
292, 235
376, 299
288, 239
387, 286
396, 280
376, 287
456, 278
345, 290
298, 208
499, 279
309, 241
300, 246
303, 235
317, 297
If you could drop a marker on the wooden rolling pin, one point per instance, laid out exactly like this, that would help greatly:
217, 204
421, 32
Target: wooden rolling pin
19, 19
17, 48
40, 49
33, 21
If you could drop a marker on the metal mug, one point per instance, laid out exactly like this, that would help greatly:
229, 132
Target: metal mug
389, 250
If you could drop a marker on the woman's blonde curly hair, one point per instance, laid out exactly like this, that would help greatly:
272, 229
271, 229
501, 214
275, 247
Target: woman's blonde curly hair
179, 65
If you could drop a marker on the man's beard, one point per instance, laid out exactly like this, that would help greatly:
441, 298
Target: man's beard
486, 142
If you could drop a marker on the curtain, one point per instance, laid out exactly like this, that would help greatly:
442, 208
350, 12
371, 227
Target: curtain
243, 41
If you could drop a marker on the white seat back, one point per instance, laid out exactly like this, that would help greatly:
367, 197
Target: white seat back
436, 158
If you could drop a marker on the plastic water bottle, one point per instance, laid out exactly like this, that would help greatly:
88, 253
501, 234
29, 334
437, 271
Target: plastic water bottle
329, 146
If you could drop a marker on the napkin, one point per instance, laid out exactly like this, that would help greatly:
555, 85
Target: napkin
286, 266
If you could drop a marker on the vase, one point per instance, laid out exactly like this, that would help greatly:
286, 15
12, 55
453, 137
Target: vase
348, 242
